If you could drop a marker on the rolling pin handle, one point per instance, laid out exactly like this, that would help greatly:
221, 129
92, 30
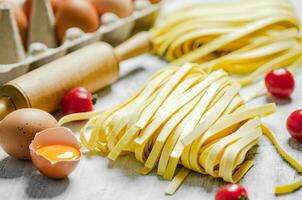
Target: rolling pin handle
99, 71
6, 106
136, 45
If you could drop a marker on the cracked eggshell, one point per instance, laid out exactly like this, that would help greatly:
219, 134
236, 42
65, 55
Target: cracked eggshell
19, 128
52, 136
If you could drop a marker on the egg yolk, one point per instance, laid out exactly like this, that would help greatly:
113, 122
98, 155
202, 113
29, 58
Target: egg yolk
59, 152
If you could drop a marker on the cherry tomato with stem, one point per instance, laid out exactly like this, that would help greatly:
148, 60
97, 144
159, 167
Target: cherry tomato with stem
232, 192
280, 83
78, 100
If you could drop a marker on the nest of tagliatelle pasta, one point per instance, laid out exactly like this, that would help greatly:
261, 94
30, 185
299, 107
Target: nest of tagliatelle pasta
246, 38
183, 119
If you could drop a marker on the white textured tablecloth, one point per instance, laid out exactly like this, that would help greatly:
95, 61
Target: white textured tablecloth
94, 179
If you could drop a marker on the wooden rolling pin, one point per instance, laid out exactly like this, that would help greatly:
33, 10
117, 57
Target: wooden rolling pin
93, 67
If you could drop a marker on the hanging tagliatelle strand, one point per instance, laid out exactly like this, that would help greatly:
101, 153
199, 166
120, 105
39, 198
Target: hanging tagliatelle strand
183, 117
246, 38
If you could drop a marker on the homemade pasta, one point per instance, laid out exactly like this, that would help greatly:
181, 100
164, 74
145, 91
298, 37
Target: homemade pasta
183, 118
246, 38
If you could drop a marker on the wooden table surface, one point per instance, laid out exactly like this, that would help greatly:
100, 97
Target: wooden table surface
95, 179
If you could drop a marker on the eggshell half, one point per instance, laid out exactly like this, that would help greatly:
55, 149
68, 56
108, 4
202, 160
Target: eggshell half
52, 136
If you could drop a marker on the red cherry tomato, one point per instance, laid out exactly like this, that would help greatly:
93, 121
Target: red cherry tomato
77, 100
280, 83
294, 125
231, 192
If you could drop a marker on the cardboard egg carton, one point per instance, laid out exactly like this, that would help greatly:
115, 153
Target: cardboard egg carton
14, 61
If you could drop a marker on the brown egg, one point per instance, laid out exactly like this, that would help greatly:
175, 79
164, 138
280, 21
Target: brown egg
76, 13
122, 8
45, 162
21, 19
19, 128
27, 8
154, 1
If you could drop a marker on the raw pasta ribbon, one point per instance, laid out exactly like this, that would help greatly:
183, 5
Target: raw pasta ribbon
182, 118
246, 38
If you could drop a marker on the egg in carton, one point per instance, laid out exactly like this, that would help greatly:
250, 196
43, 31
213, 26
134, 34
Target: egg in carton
43, 45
